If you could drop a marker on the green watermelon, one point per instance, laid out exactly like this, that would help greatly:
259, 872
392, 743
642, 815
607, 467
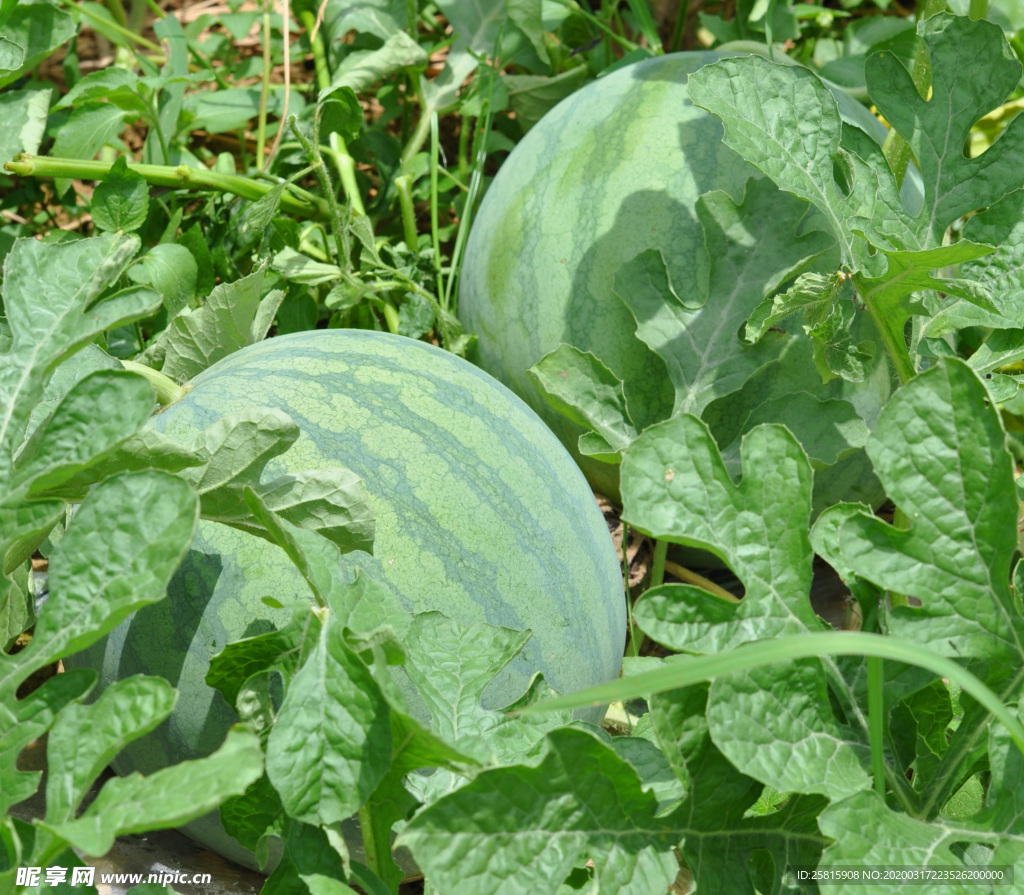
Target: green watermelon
613, 170
480, 513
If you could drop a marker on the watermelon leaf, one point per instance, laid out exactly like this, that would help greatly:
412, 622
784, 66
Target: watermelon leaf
453, 690
35, 274
827, 426
171, 796
312, 862
936, 129
717, 820
676, 488
697, 336
100, 574
85, 738
500, 826
939, 449
22, 721
238, 447
579, 386
97, 415
785, 122
330, 745
196, 338
1001, 225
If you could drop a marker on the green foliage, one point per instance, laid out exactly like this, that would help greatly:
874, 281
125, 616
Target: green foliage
887, 251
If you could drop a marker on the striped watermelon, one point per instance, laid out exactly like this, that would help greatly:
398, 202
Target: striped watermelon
613, 170
480, 513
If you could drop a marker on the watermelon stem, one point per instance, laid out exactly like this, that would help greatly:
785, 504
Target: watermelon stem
167, 390
316, 161
658, 563
178, 177
316, 42
435, 230
402, 184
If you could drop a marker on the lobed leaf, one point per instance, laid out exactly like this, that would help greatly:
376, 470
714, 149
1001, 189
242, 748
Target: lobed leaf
85, 738
938, 128
195, 339
22, 721
697, 336
51, 298
168, 797
720, 834
786, 123
939, 450
579, 386
523, 828
98, 414
676, 487
452, 665
99, 573
868, 833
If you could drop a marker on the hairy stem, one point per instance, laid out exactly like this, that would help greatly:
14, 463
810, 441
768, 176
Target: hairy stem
316, 42
167, 390
404, 186
261, 126
182, 177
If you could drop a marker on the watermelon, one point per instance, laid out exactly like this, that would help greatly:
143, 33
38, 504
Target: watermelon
613, 170
480, 513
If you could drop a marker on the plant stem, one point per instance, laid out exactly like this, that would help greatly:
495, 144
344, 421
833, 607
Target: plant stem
658, 562
117, 11
896, 149
635, 638
346, 171
167, 390
403, 184
158, 129
422, 130
316, 44
261, 126
113, 26
691, 577
369, 841
876, 721
435, 235
182, 177
285, 51
893, 340
475, 185
312, 150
